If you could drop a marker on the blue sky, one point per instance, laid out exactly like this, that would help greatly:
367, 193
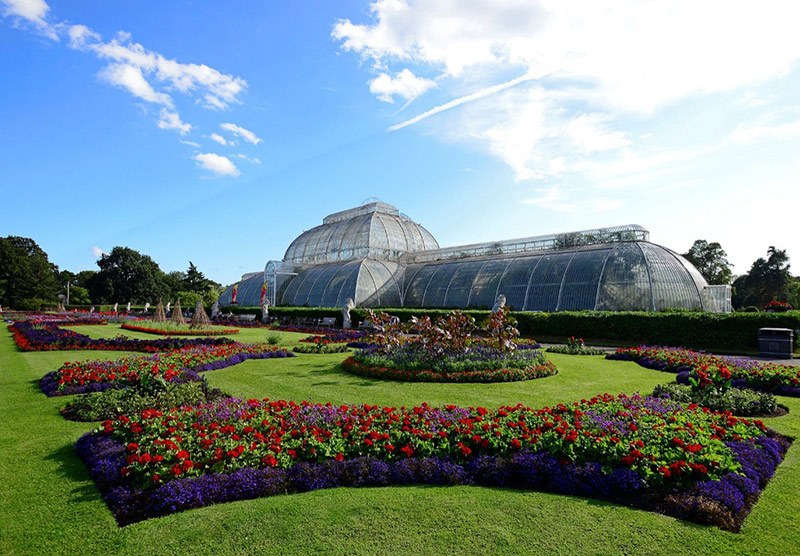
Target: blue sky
217, 132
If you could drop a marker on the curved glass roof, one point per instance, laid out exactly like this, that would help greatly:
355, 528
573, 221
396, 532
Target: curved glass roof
632, 275
375, 230
377, 256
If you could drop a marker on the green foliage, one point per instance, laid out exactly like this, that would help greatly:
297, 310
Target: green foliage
79, 296
320, 348
575, 346
741, 402
711, 260
127, 275
768, 279
110, 404
27, 277
273, 339
699, 330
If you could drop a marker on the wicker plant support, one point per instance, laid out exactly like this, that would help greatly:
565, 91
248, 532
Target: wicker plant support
200, 318
177, 314
159, 315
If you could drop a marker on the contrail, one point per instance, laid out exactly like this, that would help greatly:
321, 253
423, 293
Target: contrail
461, 100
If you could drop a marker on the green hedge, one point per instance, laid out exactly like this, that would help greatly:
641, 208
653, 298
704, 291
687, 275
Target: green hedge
696, 330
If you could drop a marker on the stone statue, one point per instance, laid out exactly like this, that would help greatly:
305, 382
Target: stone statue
1, 308
115, 307
128, 310
92, 309
146, 306
499, 303
265, 311
168, 304
215, 310
347, 323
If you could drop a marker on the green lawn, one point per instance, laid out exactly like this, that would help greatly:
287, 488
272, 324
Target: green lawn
48, 505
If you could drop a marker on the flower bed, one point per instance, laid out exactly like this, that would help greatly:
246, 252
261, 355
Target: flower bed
500, 374
575, 347
320, 348
743, 373
169, 331
49, 337
334, 336
477, 363
653, 453
743, 402
177, 366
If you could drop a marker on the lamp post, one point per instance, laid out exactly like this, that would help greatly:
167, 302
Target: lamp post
68, 281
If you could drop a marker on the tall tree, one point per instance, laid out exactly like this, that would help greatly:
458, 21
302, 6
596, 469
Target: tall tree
195, 281
711, 260
27, 277
768, 279
127, 275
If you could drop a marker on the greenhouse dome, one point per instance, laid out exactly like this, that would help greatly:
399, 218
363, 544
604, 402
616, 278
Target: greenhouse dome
376, 256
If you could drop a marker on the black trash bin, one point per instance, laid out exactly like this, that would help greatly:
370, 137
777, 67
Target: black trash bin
775, 342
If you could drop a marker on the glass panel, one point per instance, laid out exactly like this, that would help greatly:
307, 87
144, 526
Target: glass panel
385, 276
673, 287
417, 278
437, 288
460, 284
546, 282
318, 289
348, 289
484, 288
514, 283
330, 296
625, 283
310, 277
582, 280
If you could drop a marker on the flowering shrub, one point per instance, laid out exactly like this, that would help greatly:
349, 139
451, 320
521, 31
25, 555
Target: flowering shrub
713, 371
175, 366
49, 337
575, 347
172, 331
624, 448
777, 307
739, 401
320, 347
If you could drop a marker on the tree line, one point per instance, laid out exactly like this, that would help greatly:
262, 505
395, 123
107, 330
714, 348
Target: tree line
767, 280
28, 280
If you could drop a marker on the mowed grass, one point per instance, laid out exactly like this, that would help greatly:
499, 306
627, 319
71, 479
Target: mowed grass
48, 504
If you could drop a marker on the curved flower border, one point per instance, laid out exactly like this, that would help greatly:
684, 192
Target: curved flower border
490, 375
163, 332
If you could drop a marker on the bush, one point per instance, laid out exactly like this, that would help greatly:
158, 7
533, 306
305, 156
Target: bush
741, 402
320, 348
273, 339
697, 330
110, 404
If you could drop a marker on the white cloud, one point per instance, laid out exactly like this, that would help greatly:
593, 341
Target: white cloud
130, 77
97, 252
218, 138
33, 12
219, 90
404, 84
171, 120
251, 159
589, 72
218, 164
191, 144
748, 134
245, 134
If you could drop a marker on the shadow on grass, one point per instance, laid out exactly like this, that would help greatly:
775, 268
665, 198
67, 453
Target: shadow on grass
34, 384
72, 468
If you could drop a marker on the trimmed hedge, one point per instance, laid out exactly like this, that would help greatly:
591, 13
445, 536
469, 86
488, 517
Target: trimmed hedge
694, 330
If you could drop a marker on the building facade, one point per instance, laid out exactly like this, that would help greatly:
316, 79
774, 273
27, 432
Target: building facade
377, 256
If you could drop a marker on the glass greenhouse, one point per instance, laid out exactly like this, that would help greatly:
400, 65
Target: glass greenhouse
377, 256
